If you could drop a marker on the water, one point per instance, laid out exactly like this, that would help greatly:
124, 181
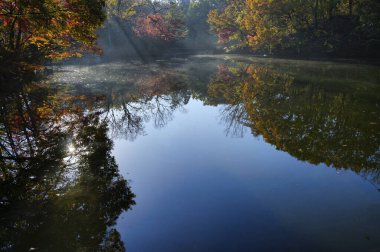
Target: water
204, 153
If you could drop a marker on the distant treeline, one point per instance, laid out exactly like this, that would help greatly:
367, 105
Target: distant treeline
344, 28
155, 28
324, 28
35, 30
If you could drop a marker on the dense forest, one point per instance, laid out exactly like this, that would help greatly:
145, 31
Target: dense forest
343, 28
34, 30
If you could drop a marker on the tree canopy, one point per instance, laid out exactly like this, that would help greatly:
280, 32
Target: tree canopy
335, 27
54, 28
57, 29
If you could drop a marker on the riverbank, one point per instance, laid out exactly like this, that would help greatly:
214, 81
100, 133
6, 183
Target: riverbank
14, 69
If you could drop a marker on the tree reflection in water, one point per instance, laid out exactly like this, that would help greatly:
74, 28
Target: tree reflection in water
313, 119
132, 94
60, 186
151, 98
60, 183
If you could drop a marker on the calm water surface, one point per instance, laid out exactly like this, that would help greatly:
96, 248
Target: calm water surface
205, 153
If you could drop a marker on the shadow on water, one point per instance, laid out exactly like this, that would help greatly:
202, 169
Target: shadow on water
60, 183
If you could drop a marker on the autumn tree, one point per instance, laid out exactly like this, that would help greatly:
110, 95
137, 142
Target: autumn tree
162, 20
53, 28
332, 27
227, 25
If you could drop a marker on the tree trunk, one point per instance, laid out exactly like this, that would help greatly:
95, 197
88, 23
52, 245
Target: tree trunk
316, 13
18, 39
350, 4
12, 35
331, 9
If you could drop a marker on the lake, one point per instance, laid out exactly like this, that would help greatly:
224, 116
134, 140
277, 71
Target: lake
197, 153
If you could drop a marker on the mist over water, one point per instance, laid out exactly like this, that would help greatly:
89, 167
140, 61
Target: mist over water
238, 152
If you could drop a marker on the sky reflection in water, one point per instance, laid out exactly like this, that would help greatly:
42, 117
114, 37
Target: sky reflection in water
222, 153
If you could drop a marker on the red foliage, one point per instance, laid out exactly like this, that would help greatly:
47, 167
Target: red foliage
154, 25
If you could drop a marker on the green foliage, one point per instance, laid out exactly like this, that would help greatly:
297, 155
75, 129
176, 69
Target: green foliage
198, 13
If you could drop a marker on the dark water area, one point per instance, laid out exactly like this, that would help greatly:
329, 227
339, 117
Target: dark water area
198, 153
